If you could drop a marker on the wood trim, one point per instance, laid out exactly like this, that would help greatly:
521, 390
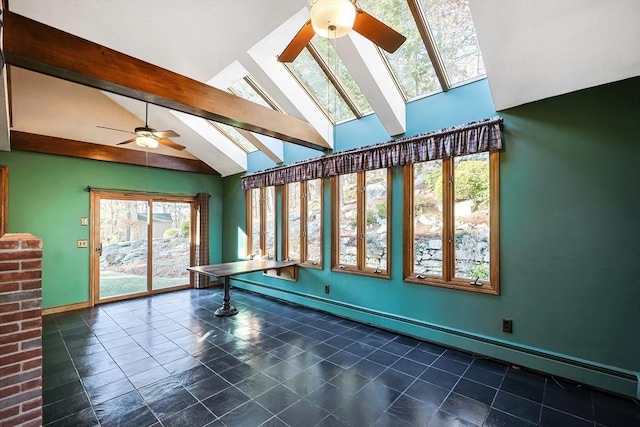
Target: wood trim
361, 207
408, 216
94, 241
448, 236
38, 47
448, 220
4, 199
494, 220
429, 44
284, 190
22, 141
248, 219
65, 308
305, 258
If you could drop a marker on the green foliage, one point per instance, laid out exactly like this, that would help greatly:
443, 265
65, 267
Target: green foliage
480, 271
382, 210
184, 229
471, 181
169, 233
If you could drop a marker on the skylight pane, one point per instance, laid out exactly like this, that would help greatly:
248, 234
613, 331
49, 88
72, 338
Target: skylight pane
235, 137
244, 90
410, 64
455, 36
335, 64
309, 73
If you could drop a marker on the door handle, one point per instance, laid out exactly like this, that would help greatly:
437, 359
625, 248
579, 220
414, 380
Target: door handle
98, 249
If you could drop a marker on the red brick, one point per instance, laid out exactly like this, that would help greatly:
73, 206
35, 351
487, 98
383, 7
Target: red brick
7, 308
31, 285
24, 417
9, 244
9, 328
32, 244
36, 422
21, 315
9, 287
20, 357
20, 275
22, 296
9, 412
20, 336
18, 399
9, 369
7, 349
19, 255
31, 264
9, 391
30, 324
21, 378
9, 265
32, 364
30, 385
34, 343
32, 404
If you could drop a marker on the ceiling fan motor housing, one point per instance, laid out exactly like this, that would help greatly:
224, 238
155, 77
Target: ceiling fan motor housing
333, 18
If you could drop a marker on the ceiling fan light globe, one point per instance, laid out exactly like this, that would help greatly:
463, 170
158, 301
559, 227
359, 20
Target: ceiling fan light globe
147, 142
333, 18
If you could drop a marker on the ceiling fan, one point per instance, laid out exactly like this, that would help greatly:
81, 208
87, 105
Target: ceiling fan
334, 19
148, 137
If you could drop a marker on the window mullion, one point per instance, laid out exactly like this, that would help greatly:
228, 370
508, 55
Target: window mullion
303, 221
448, 235
429, 44
263, 221
361, 208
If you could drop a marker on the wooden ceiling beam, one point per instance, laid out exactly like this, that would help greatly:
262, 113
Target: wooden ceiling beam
23, 141
38, 47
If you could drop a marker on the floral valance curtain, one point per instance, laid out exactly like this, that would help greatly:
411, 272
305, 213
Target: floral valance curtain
471, 138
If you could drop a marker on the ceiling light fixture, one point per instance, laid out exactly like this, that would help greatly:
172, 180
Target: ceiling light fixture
146, 141
332, 18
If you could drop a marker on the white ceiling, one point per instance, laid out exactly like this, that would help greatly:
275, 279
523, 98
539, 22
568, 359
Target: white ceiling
531, 50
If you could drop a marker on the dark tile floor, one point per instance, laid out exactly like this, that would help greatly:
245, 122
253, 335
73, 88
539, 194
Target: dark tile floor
168, 361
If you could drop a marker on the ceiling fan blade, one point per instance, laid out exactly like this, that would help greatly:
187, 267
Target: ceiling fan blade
119, 130
298, 43
381, 34
171, 144
165, 134
127, 141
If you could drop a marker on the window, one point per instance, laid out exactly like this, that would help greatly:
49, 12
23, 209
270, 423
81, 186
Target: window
361, 222
302, 222
451, 223
261, 223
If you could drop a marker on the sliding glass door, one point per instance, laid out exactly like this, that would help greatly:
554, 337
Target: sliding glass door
141, 244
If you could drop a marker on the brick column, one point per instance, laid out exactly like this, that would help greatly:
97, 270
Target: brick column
20, 330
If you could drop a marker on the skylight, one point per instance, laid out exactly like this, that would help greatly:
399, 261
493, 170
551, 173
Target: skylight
337, 68
455, 38
248, 89
235, 136
317, 84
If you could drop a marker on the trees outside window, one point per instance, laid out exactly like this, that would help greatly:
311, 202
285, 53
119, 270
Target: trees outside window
452, 222
261, 223
302, 222
361, 238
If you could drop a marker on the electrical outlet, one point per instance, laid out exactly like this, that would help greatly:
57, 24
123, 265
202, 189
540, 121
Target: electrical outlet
326, 289
507, 325
84, 221
82, 244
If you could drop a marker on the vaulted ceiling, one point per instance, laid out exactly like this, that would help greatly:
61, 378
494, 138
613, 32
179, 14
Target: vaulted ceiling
531, 50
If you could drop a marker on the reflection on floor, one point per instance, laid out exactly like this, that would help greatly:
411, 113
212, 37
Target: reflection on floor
167, 360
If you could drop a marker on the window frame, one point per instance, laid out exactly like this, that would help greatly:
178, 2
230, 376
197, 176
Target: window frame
304, 261
263, 223
360, 268
448, 279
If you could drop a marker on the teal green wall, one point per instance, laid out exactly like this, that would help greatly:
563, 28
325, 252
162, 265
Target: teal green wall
47, 198
570, 238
